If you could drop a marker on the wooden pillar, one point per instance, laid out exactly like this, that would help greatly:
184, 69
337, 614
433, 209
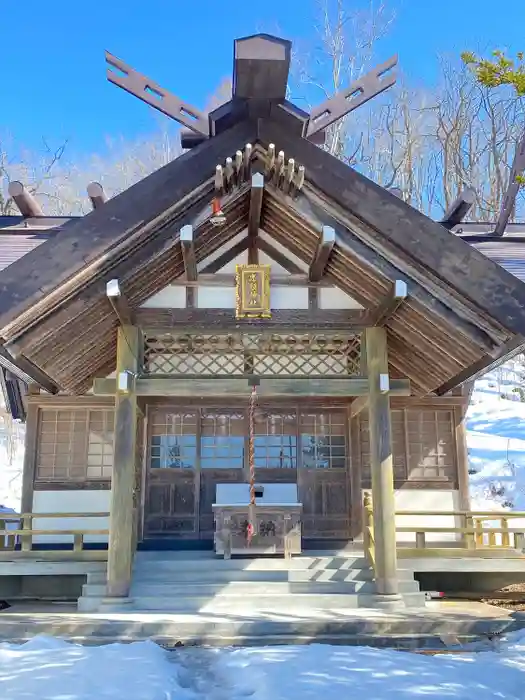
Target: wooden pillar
121, 541
381, 463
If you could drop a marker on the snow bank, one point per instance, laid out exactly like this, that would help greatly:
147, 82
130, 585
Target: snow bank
496, 440
50, 669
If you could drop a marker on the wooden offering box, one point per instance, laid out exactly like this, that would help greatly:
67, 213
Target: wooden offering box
277, 520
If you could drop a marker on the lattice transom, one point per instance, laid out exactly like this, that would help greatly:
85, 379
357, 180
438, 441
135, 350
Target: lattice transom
262, 354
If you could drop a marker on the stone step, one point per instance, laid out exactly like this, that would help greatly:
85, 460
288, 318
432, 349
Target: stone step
303, 605
247, 590
400, 629
259, 564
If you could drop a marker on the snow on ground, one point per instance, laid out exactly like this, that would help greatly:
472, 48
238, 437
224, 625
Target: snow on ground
12, 435
496, 440
49, 669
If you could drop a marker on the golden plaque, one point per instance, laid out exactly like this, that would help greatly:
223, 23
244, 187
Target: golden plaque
252, 291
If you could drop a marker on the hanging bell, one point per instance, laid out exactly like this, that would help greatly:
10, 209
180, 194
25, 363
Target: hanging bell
217, 215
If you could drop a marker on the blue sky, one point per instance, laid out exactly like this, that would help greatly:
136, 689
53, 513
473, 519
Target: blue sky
54, 84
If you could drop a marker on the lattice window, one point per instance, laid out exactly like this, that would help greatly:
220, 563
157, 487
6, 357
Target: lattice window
275, 440
100, 444
75, 444
398, 446
173, 440
265, 354
223, 440
431, 447
422, 443
323, 440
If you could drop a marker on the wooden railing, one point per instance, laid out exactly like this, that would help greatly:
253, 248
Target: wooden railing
17, 533
473, 535
368, 530
473, 530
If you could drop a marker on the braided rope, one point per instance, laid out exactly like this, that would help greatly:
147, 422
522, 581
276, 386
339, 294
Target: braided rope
250, 532
251, 449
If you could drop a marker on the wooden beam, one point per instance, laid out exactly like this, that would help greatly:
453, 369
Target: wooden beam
30, 459
96, 194
254, 216
460, 429
119, 303
219, 279
324, 248
24, 200
226, 257
381, 464
358, 93
390, 304
279, 257
341, 320
120, 549
484, 283
459, 208
188, 252
147, 90
218, 386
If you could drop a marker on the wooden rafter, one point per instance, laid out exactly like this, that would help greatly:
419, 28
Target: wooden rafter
30, 370
147, 90
254, 216
96, 194
373, 83
325, 246
390, 304
119, 303
188, 252
24, 200
459, 208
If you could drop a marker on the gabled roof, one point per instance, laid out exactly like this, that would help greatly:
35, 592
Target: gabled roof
463, 312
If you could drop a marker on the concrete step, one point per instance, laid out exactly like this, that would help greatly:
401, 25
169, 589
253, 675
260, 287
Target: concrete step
225, 576
399, 629
247, 590
303, 605
175, 564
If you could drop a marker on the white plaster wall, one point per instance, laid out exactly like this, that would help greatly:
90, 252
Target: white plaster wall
216, 297
171, 297
335, 298
288, 297
432, 500
95, 501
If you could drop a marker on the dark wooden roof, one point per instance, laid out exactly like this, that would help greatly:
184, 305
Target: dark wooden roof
463, 311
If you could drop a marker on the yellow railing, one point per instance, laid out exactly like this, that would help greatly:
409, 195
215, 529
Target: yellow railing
368, 530
469, 531
473, 535
17, 529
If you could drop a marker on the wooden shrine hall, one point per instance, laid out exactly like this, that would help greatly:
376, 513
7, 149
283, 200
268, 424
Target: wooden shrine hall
254, 313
